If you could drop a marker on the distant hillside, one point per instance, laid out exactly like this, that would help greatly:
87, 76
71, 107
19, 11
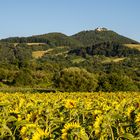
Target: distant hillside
51, 39
100, 41
109, 49
83, 38
100, 58
89, 38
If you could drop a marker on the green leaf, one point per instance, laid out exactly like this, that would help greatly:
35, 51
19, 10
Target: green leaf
128, 136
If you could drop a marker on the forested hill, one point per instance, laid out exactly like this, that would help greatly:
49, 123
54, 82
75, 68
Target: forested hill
83, 38
108, 49
89, 38
51, 39
95, 60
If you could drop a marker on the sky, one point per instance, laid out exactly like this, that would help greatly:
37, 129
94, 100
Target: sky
33, 17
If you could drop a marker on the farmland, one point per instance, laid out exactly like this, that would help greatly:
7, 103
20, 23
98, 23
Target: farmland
81, 116
133, 46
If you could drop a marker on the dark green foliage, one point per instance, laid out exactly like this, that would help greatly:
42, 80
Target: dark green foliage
23, 54
7, 53
34, 39
24, 78
116, 82
7, 75
51, 39
39, 47
76, 79
59, 39
107, 49
18, 55
83, 62
89, 38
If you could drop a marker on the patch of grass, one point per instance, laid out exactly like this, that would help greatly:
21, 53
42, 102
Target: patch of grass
35, 44
55, 51
78, 60
112, 59
25, 90
38, 54
133, 46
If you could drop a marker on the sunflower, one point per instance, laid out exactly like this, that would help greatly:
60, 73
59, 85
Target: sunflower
39, 134
129, 111
97, 124
27, 130
73, 130
70, 104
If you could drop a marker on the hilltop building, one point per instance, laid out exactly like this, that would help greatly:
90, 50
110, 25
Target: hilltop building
99, 29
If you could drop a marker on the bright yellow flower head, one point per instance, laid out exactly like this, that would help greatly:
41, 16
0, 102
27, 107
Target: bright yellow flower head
70, 104
97, 124
75, 127
25, 129
39, 134
129, 111
97, 112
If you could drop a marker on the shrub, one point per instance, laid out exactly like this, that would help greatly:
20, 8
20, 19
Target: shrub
76, 79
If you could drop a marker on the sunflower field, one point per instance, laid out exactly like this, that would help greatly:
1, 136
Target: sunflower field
70, 116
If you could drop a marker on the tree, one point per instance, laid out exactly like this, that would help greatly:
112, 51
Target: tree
24, 78
116, 82
76, 79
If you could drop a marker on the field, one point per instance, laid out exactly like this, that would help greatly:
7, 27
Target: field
38, 54
112, 59
70, 116
55, 51
133, 46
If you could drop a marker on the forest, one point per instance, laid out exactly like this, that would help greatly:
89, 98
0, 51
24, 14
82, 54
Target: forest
87, 61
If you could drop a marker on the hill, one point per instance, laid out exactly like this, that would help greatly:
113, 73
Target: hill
109, 49
89, 38
50, 39
96, 60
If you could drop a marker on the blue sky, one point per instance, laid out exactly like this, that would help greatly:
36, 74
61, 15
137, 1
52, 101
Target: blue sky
32, 17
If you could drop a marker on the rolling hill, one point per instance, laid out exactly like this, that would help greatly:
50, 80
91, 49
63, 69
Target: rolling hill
51, 39
100, 41
89, 38
53, 59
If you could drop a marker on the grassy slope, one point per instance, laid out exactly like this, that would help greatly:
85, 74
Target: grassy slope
133, 46
53, 51
113, 59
